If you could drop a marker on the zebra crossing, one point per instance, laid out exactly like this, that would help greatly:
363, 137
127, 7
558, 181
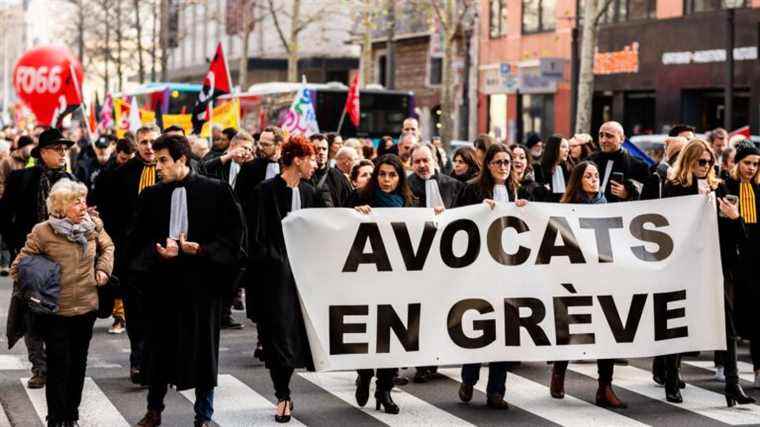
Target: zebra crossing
245, 398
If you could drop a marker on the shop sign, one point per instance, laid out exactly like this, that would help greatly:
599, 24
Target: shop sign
552, 68
624, 61
535, 83
748, 53
499, 79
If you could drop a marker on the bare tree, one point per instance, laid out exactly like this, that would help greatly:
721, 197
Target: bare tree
592, 14
452, 16
297, 25
136, 5
247, 14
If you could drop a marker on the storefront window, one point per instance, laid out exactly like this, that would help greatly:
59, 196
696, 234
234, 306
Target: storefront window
497, 116
498, 19
692, 6
629, 10
538, 16
538, 115
436, 71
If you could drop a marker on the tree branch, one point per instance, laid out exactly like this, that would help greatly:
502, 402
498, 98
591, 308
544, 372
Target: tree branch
278, 27
599, 12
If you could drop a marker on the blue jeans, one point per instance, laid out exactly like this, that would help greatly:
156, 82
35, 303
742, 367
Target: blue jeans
497, 376
204, 401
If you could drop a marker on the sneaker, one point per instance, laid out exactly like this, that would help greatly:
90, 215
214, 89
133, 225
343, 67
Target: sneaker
37, 381
117, 327
720, 375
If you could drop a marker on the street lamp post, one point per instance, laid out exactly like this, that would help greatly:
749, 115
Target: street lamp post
728, 113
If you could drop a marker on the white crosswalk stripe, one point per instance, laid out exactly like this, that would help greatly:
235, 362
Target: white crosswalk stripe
96, 409
534, 397
236, 404
414, 411
695, 399
10, 362
746, 371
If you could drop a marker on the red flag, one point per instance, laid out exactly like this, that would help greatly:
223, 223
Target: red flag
216, 83
743, 131
352, 101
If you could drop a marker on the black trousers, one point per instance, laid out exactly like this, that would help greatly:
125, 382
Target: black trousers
281, 379
135, 313
67, 340
384, 377
604, 368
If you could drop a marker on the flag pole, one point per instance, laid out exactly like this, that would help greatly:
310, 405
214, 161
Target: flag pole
340, 123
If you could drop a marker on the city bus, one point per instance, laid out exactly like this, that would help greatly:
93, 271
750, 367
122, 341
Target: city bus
181, 96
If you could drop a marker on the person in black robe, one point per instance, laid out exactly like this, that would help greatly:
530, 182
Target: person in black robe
279, 319
388, 188
446, 189
464, 164
128, 181
186, 251
614, 162
332, 186
553, 171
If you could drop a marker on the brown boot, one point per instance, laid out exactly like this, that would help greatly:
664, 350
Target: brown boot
151, 419
606, 398
37, 381
557, 387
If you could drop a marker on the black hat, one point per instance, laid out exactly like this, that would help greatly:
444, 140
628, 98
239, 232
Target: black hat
23, 141
533, 139
744, 149
105, 140
48, 138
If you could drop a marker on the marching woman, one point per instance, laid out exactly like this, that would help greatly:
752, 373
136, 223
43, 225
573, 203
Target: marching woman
522, 170
465, 164
494, 185
583, 187
743, 181
693, 173
387, 188
553, 170
280, 322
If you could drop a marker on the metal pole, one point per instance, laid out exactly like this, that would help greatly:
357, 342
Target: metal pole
728, 119
390, 56
575, 66
5, 74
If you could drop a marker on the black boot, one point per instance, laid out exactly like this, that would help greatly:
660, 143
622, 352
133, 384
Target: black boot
383, 398
672, 392
735, 394
362, 389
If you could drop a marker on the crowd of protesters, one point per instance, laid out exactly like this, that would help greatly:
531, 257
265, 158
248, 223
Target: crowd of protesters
191, 229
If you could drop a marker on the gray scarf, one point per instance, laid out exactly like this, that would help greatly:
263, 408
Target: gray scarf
76, 233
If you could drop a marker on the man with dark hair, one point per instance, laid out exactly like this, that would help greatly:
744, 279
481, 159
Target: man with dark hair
682, 130
334, 143
220, 141
265, 166
186, 252
22, 206
332, 187
89, 167
174, 129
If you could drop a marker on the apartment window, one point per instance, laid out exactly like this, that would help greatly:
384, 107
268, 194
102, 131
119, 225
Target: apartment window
629, 10
692, 6
538, 16
435, 77
498, 19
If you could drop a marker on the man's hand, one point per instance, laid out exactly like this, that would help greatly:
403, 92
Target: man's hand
363, 209
189, 248
619, 190
521, 202
93, 212
101, 278
439, 210
170, 251
491, 203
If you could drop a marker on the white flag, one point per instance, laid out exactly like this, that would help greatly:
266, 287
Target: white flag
301, 116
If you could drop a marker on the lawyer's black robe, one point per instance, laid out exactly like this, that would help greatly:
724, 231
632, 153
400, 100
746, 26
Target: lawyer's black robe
278, 311
447, 186
184, 295
334, 183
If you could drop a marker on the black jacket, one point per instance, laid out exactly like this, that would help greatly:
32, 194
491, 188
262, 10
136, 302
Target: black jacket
473, 194
543, 190
632, 169
448, 187
332, 181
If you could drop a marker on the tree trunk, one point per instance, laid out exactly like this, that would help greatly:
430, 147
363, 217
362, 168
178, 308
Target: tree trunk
245, 17
107, 47
154, 41
367, 74
448, 106
80, 30
138, 28
390, 54
586, 78
164, 40
119, 36
295, 22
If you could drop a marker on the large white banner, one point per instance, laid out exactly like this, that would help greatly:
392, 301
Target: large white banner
406, 287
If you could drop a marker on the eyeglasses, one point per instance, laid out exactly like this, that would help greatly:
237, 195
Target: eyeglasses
606, 135
705, 162
500, 163
60, 149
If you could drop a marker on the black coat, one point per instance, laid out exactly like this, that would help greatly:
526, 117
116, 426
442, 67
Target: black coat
183, 296
473, 194
251, 174
543, 190
277, 308
18, 205
214, 168
632, 169
87, 170
448, 187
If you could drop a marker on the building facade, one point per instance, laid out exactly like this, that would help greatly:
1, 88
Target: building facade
325, 51
658, 62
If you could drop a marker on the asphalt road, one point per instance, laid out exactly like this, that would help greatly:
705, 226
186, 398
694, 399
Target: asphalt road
245, 396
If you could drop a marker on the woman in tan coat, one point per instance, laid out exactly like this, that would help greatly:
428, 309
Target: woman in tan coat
78, 243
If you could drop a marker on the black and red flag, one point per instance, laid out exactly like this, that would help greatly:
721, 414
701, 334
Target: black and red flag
216, 83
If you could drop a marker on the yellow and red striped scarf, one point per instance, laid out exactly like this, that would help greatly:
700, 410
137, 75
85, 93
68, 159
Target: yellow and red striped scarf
147, 178
747, 206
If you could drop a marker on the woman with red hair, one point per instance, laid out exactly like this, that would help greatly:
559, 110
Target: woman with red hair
280, 323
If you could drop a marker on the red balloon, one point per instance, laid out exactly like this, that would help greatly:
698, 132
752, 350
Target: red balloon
43, 79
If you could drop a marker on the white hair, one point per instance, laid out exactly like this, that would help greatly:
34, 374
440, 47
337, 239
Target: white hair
347, 151
63, 193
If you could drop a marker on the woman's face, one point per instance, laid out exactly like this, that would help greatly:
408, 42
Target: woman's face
564, 150
703, 164
77, 210
363, 177
590, 180
748, 167
500, 167
460, 166
576, 150
519, 161
387, 178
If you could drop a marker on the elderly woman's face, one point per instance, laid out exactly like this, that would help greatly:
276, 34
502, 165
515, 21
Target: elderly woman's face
77, 210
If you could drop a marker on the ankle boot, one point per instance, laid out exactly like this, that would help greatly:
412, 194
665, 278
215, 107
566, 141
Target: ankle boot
735, 394
557, 386
151, 419
383, 398
606, 398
